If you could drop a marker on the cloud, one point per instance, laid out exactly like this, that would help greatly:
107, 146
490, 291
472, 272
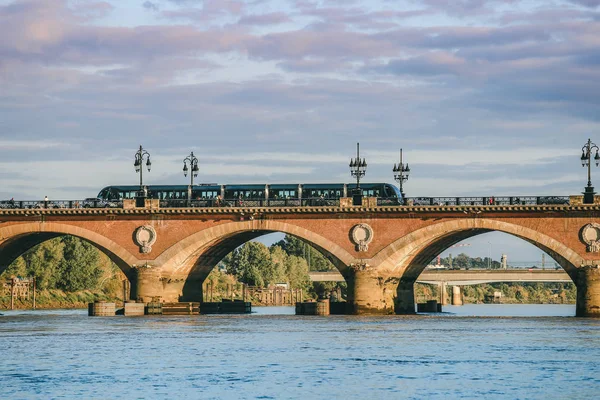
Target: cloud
148, 5
587, 3
469, 89
264, 19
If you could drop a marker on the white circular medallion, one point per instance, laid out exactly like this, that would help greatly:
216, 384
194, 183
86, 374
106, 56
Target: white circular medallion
145, 236
362, 235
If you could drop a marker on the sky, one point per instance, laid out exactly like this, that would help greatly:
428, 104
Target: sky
484, 97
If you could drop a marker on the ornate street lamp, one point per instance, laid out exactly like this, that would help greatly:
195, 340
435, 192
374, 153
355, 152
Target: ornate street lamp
586, 152
139, 160
401, 173
358, 168
193, 161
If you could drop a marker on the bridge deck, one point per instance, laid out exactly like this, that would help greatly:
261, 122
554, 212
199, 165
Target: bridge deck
468, 277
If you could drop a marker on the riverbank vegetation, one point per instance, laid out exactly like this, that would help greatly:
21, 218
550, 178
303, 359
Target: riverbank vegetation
69, 273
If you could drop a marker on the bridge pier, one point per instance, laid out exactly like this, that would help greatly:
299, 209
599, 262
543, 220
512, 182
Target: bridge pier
192, 290
456, 296
368, 293
443, 293
149, 282
405, 298
588, 291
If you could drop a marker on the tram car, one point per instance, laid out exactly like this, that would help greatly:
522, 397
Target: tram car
212, 194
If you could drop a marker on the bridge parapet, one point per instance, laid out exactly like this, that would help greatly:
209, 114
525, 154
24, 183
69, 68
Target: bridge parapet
470, 211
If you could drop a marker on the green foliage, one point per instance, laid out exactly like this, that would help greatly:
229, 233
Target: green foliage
67, 263
251, 264
463, 261
78, 268
256, 265
314, 258
315, 261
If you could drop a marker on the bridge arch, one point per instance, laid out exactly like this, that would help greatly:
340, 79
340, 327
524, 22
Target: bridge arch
16, 239
186, 264
407, 257
206, 248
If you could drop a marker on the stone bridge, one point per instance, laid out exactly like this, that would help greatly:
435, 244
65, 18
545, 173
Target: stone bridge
380, 251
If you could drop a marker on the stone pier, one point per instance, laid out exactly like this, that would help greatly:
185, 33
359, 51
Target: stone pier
148, 283
588, 291
456, 296
405, 298
366, 292
443, 293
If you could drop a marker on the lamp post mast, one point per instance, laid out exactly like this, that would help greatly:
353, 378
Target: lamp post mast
358, 168
193, 161
358, 158
401, 173
586, 161
139, 159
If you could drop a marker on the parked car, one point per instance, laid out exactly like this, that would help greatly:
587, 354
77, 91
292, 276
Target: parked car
46, 204
553, 200
8, 204
94, 202
420, 201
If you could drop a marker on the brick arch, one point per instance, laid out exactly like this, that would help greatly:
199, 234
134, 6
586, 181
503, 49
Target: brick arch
405, 258
216, 242
17, 239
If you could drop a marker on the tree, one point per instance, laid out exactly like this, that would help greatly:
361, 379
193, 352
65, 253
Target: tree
42, 262
251, 264
78, 269
280, 260
462, 261
297, 247
297, 272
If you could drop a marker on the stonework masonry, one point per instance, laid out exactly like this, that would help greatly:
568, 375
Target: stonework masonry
402, 240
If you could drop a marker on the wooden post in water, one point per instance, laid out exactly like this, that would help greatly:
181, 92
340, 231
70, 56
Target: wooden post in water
12, 293
33, 284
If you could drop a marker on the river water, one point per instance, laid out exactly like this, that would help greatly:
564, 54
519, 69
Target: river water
473, 351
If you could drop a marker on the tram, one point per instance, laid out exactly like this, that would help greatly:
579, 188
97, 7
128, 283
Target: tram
271, 193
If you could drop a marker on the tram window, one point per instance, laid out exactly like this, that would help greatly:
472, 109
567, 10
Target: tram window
368, 193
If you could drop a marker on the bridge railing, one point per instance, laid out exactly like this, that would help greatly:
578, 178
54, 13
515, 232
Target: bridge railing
310, 202
484, 201
39, 204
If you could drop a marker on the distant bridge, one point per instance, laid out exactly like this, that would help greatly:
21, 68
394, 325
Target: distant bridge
468, 277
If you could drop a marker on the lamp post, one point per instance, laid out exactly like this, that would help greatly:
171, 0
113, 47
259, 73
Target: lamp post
193, 161
401, 173
490, 255
586, 153
139, 159
358, 168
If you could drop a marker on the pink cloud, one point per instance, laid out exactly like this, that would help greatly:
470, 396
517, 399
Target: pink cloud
264, 19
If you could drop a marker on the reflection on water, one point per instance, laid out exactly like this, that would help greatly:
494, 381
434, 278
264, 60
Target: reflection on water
274, 354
